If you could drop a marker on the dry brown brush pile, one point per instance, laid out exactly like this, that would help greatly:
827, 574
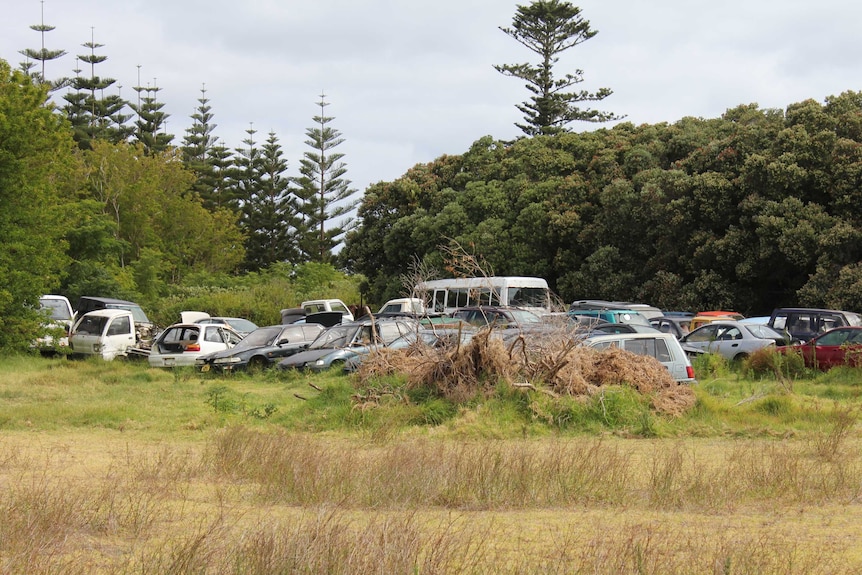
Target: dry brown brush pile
557, 365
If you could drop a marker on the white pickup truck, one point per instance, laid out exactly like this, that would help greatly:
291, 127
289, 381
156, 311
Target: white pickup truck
411, 305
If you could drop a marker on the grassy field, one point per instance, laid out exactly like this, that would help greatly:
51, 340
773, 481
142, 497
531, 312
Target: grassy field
118, 468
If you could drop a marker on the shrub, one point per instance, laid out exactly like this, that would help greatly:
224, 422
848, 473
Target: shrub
768, 361
707, 365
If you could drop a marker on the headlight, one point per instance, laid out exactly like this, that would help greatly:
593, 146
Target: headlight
319, 363
232, 359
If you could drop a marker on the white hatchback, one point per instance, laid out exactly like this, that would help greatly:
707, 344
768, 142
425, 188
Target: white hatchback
662, 346
181, 344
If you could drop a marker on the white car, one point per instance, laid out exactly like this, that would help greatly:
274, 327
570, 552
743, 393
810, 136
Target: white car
734, 340
182, 343
662, 346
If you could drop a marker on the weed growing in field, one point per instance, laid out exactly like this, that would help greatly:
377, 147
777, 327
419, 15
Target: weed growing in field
785, 367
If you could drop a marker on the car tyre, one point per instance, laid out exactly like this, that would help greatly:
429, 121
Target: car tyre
257, 364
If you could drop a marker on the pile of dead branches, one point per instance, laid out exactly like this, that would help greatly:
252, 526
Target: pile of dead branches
558, 365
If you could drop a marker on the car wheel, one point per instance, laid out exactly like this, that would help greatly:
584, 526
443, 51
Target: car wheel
257, 364
740, 356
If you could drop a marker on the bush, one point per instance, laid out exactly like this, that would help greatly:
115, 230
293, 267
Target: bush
708, 365
768, 361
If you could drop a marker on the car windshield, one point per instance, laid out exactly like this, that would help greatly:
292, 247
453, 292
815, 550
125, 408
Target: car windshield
763, 332
58, 308
138, 313
528, 297
335, 337
261, 337
524, 316
240, 324
91, 325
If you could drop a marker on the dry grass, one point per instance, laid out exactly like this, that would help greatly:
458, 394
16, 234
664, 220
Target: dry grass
553, 362
255, 502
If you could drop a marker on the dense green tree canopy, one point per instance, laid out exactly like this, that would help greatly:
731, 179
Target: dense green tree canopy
34, 144
752, 210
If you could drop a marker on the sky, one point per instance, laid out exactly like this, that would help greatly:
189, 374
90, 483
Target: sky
409, 81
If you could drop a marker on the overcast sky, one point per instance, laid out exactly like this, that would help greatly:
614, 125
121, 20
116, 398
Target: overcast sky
410, 80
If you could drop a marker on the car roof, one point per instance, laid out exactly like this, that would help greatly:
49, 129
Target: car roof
807, 310
636, 335
108, 312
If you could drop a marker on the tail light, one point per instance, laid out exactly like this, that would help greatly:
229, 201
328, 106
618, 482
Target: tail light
689, 372
193, 347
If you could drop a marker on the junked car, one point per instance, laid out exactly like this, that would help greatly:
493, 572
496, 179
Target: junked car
428, 338
181, 344
343, 341
732, 339
803, 324
240, 325
662, 346
145, 330
58, 324
678, 325
501, 317
261, 348
106, 333
838, 346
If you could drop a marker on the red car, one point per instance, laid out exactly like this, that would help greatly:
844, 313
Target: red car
839, 346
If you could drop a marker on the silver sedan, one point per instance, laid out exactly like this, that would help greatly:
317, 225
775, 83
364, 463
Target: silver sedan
732, 339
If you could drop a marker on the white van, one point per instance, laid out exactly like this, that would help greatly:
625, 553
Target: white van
448, 295
108, 333
662, 346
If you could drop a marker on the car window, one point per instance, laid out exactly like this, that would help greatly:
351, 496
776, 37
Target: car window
181, 334
58, 308
728, 333
120, 326
213, 335
837, 337
762, 331
706, 333
311, 331
336, 306
829, 321
661, 325
91, 325
648, 346
389, 332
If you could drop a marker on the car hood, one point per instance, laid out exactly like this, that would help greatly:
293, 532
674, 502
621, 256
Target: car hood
230, 352
306, 356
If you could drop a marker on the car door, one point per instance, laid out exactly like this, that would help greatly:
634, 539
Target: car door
702, 338
728, 341
831, 348
119, 336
